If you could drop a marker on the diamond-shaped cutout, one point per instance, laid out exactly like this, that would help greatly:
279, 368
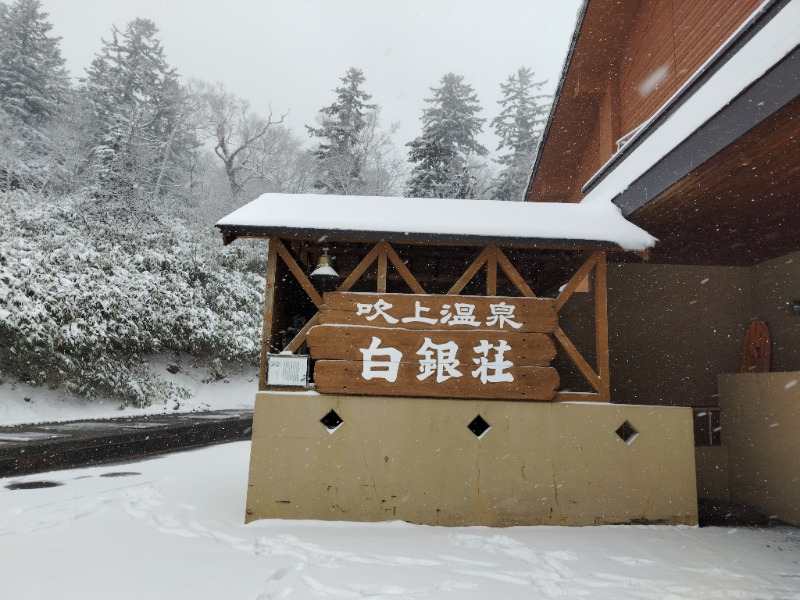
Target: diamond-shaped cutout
332, 421
478, 426
627, 433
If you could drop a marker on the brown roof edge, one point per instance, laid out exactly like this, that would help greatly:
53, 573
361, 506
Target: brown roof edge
567, 62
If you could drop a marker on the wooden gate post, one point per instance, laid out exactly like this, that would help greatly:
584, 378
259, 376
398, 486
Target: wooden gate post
269, 302
601, 326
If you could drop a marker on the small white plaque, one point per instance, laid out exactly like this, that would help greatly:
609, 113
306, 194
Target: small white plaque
287, 369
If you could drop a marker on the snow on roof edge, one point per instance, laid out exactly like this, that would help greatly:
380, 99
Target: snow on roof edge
422, 219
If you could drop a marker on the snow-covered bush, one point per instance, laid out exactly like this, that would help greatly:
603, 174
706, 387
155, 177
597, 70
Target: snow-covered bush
82, 305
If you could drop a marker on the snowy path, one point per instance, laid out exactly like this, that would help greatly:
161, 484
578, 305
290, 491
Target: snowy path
171, 528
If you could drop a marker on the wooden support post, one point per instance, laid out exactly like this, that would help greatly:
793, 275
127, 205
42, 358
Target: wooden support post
382, 269
601, 325
269, 303
491, 272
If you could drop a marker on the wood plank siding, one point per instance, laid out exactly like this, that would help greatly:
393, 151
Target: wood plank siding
676, 36
630, 58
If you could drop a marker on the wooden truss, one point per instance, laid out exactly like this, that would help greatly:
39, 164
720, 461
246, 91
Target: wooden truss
492, 257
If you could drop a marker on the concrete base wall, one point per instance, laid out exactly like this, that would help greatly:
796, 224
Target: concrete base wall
414, 459
761, 428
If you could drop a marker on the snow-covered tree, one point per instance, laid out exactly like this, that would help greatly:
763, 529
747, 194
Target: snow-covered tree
340, 124
238, 133
139, 126
450, 126
291, 168
383, 170
85, 304
518, 126
32, 76
33, 83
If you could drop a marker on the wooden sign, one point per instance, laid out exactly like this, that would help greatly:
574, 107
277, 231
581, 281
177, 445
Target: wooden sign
435, 346
345, 343
429, 312
345, 377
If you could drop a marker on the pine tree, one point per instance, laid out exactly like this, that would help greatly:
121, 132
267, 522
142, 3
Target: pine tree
449, 130
139, 116
32, 76
339, 158
33, 83
519, 127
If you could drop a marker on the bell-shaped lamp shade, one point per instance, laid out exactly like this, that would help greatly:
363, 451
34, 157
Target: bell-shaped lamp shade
324, 269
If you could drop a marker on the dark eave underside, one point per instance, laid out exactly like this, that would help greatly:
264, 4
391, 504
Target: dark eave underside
764, 98
738, 208
231, 232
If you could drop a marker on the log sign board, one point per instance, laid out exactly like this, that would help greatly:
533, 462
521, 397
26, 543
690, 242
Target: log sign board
435, 346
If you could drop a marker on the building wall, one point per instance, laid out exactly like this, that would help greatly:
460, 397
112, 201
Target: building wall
414, 459
676, 338
630, 59
673, 329
774, 285
761, 425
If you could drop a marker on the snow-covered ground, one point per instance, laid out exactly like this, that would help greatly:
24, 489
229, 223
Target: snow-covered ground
172, 528
22, 403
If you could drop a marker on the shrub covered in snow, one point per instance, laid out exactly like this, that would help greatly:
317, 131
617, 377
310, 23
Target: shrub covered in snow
82, 305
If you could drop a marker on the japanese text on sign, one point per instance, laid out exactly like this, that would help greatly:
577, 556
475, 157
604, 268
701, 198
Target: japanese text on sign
440, 360
432, 345
501, 314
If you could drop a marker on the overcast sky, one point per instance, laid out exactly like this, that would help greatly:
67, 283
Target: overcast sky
291, 53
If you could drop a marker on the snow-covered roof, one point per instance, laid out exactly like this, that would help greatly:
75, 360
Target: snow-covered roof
435, 219
769, 45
